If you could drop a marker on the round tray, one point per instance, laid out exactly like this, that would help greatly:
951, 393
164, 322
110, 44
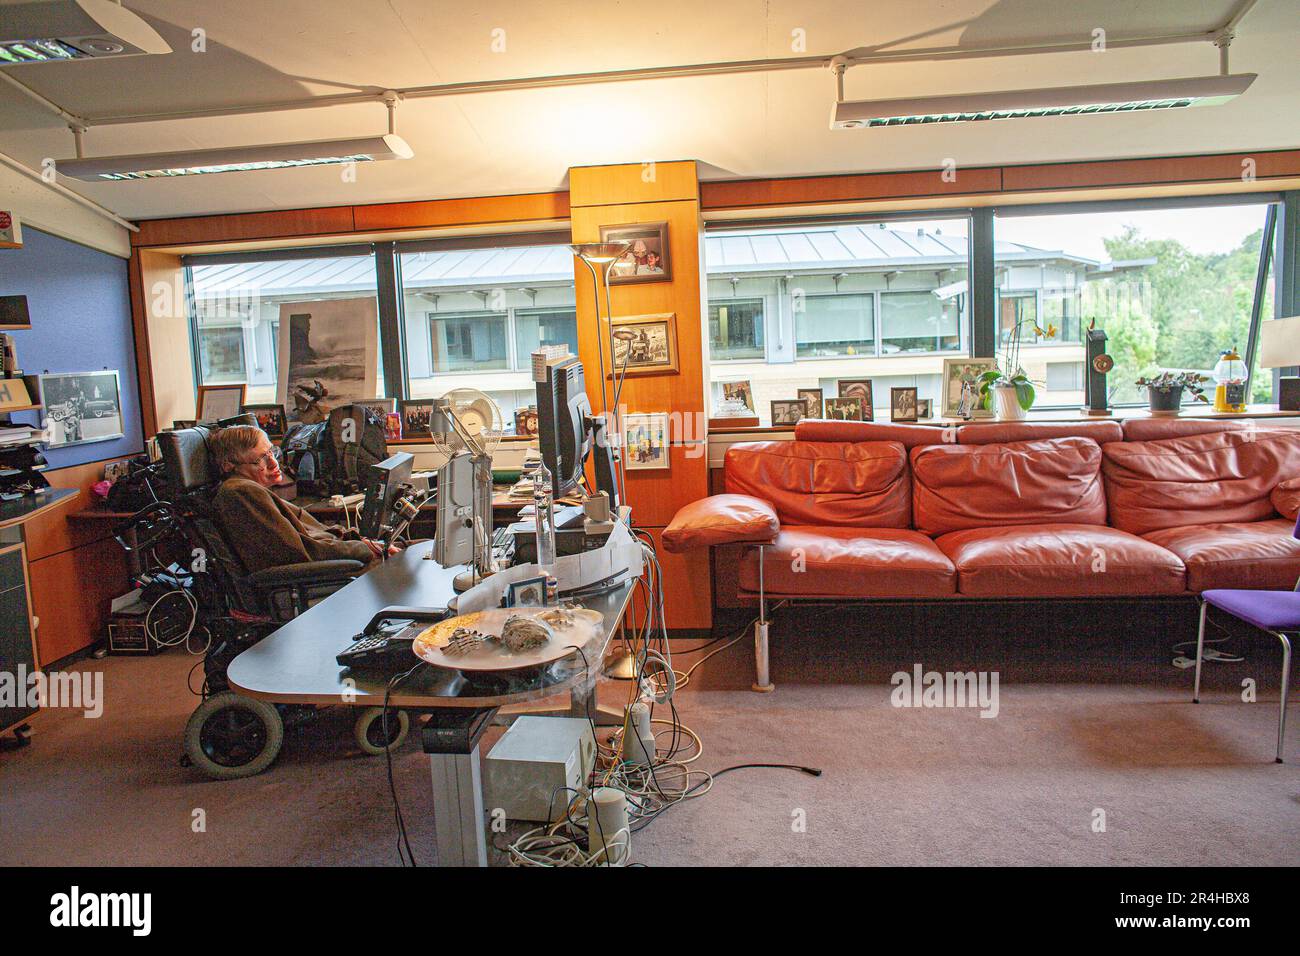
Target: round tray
491, 655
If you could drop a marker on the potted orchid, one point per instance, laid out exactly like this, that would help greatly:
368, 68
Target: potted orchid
1007, 390
1165, 391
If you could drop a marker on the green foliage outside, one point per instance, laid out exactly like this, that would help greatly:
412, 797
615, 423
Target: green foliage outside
1178, 313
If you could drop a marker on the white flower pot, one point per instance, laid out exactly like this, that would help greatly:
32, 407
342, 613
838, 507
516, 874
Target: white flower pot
1005, 404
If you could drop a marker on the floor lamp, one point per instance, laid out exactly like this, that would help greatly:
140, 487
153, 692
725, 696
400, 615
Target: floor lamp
599, 258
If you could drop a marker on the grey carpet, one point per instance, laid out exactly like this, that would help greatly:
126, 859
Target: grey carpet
1080, 730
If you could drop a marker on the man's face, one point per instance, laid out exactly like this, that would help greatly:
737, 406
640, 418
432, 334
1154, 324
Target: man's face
261, 464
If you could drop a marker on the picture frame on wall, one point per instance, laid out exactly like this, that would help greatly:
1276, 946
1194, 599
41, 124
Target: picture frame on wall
859, 388
648, 257
957, 371
844, 409
645, 344
271, 418
812, 397
218, 402
81, 407
645, 442
416, 414
788, 411
902, 404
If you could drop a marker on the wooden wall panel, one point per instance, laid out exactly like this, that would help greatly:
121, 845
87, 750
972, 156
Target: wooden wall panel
164, 356
452, 212
72, 592
49, 534
633, 183
277, 224
826, 189
1171, 169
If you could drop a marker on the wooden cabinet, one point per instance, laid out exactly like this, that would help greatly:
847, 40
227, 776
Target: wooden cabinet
17, 637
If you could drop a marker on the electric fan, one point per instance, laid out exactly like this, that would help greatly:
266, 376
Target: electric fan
467, 424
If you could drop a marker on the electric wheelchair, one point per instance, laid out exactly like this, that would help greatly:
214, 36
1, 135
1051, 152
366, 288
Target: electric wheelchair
183, 548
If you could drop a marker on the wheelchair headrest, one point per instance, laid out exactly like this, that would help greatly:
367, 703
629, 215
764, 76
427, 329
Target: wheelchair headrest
185, 454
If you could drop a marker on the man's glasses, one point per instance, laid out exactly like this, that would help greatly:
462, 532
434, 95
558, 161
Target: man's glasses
267, 460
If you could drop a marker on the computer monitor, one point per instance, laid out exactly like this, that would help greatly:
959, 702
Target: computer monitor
453, 541
562, 412
383, 482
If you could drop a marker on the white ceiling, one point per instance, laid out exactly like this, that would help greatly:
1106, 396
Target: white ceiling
740, 126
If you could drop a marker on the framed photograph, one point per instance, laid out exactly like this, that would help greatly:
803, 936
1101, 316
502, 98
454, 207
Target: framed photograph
956, 372
788, 411
217, 402
530, 592
645, 442
925, 408
392, 426
647, 258
844, 409
328, 355
380, 406
902, 405
270, 418
81, 407
416, 413
812, 397
526, 422
859, 388
741, 390
646, 343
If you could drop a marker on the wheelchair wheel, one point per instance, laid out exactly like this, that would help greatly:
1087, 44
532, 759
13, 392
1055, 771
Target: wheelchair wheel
369, 730
229, 736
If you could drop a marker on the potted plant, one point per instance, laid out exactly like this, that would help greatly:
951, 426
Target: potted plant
1007, 390
1165, 390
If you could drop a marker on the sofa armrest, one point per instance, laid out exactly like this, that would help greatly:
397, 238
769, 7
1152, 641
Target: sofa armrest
1286, 498
721, 519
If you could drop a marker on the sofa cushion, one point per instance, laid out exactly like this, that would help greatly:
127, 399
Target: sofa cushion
955, 487
720, 519
987, 433
1257, 554
1059, 560
859, 484
1212, 478
825, 429
850, 562
1152, 429
1286, 498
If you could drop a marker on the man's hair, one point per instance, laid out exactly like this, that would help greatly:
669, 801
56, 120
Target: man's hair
230, 446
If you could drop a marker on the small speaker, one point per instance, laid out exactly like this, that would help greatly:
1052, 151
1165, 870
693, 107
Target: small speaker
1288, 394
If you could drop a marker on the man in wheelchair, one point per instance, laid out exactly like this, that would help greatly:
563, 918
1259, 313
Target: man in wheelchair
266, 530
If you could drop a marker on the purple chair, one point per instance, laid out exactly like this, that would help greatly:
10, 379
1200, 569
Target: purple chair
1277, 612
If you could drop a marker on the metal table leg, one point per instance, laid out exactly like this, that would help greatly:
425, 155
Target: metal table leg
450, 737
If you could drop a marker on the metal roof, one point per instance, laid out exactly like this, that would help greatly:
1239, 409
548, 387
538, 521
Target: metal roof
797, 250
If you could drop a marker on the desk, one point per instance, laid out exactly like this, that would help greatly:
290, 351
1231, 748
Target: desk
296, 665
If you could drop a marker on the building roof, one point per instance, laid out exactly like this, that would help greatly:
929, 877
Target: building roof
842, 248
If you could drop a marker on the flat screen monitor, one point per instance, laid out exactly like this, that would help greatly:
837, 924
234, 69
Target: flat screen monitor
383, 483
562, 412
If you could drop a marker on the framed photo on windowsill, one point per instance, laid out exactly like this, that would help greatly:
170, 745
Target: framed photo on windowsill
957, 371
218, 402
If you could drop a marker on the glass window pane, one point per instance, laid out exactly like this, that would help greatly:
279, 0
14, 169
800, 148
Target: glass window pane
1171, 288
918, 322
808, 306
736, 329
463, 343
237, 308
535, 329
830, 325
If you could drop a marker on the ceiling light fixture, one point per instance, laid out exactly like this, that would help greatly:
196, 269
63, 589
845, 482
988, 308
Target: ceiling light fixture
238, 159
1052, 101
55, 31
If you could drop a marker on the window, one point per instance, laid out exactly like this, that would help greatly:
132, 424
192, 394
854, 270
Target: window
535, 329
918, 322
1015, 308
736, 329
808, 306
474, 316
237, 307
221, 354
1171, 286
464, 343
834, 325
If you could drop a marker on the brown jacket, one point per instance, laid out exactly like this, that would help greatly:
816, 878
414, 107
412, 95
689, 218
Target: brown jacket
266, 531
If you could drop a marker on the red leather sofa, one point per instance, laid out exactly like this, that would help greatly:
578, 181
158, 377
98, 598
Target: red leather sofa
864, 510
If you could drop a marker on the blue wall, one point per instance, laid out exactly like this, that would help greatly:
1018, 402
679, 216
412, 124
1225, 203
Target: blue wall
81, 322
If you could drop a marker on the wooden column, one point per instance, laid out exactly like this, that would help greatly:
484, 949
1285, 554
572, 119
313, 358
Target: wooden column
651, 193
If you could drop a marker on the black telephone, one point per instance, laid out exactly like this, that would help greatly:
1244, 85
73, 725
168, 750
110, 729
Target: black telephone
385, 643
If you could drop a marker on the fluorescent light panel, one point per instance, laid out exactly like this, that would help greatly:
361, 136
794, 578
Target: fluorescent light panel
236, 159
1053, 101
55, 31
